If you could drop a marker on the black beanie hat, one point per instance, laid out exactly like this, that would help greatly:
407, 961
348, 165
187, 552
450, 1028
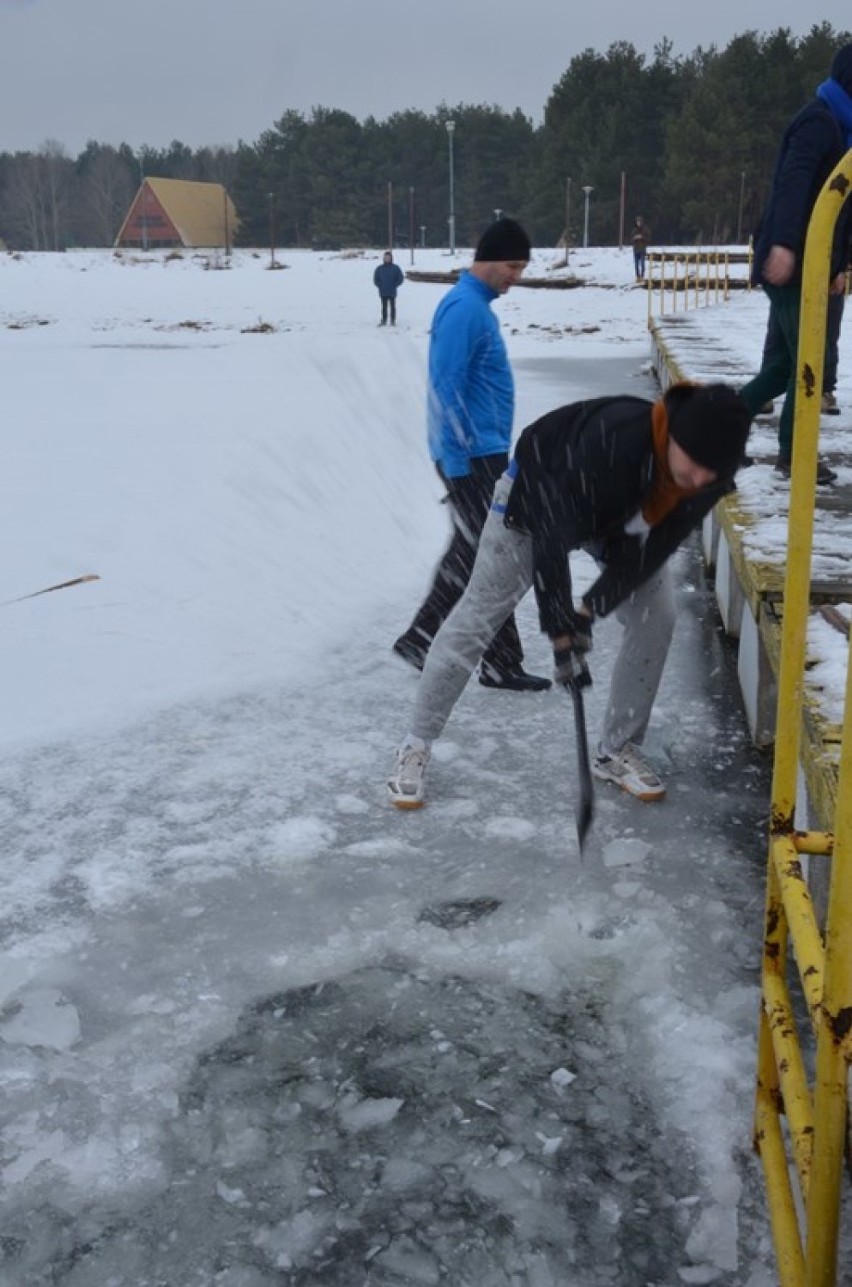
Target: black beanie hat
841, 68
710, 422
503, 240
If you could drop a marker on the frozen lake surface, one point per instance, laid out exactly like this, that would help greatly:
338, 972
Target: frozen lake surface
258, 1028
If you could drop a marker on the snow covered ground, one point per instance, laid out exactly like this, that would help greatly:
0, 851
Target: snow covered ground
256, 1027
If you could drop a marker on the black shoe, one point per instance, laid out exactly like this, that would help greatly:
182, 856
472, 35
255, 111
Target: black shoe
517, 681
413, 653
825, 475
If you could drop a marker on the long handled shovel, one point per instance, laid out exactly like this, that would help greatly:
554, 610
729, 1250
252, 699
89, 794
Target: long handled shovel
585, 809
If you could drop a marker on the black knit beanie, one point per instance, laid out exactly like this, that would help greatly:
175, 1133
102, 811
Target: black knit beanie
710, 422
503, 240
841, 68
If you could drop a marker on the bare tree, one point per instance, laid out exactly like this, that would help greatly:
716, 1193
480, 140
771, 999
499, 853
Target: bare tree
104, 188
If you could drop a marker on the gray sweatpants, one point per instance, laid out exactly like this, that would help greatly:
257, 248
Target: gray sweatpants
502, 575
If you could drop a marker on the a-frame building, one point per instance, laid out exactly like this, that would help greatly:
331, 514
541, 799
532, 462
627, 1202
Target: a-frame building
178, 212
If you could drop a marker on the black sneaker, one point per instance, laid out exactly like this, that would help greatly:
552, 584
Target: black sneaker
413, 653
517, 681
825, 475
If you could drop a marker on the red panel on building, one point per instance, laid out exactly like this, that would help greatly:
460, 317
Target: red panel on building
147, 222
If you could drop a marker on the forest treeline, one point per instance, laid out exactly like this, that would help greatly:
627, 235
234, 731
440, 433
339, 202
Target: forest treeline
689, 140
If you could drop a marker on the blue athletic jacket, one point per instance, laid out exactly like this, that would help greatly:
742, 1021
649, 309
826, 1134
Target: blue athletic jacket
471, 401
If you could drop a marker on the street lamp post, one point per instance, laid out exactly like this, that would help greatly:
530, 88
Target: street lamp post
143, 218
740, 209
271, 229
451, 128
587, 192
567, 219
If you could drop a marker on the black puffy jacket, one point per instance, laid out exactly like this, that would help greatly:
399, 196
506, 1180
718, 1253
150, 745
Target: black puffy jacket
583, 472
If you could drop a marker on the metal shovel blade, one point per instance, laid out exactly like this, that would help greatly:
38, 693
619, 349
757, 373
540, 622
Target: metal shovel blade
585, 809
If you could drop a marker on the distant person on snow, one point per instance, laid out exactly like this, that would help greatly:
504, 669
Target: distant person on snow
627, 480
387, 279
814, 142
471, 407
640, 237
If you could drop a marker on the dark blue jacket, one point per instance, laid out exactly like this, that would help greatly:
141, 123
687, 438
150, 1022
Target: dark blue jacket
388, 278
812, 145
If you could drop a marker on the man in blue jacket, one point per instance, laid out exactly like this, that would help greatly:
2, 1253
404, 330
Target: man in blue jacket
387, 280
471, 404
813, 144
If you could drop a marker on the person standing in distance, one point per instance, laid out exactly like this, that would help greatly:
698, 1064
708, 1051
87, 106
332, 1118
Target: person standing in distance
387, 280
471, 405
640, 237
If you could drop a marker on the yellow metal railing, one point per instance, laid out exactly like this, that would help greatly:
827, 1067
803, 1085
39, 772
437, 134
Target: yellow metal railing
677, 280
806, 1225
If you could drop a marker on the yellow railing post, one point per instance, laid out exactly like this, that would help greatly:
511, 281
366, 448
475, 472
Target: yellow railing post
816, 1120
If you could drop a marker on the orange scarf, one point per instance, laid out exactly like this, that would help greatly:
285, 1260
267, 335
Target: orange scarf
665, 493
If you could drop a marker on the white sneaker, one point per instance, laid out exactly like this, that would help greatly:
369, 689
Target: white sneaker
406, 783
627, 769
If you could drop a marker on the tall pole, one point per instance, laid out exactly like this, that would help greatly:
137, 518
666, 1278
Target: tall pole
451, 127
390, 216
567, 218
271, 230
740, 209
587, 191
411, 221
142, 216
621, 210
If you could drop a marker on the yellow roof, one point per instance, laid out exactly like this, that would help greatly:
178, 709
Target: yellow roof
197, 210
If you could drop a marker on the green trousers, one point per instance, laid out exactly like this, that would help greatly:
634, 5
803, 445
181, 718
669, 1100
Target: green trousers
778, 374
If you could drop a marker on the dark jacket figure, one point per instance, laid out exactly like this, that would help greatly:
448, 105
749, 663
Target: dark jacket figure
640, 237
627, 481
387, 279
583, 475
813, 144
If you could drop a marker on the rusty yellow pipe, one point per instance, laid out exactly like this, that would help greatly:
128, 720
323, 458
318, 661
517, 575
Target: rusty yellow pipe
801, 922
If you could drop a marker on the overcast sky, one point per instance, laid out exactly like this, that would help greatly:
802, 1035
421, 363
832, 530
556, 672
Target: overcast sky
214, 71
